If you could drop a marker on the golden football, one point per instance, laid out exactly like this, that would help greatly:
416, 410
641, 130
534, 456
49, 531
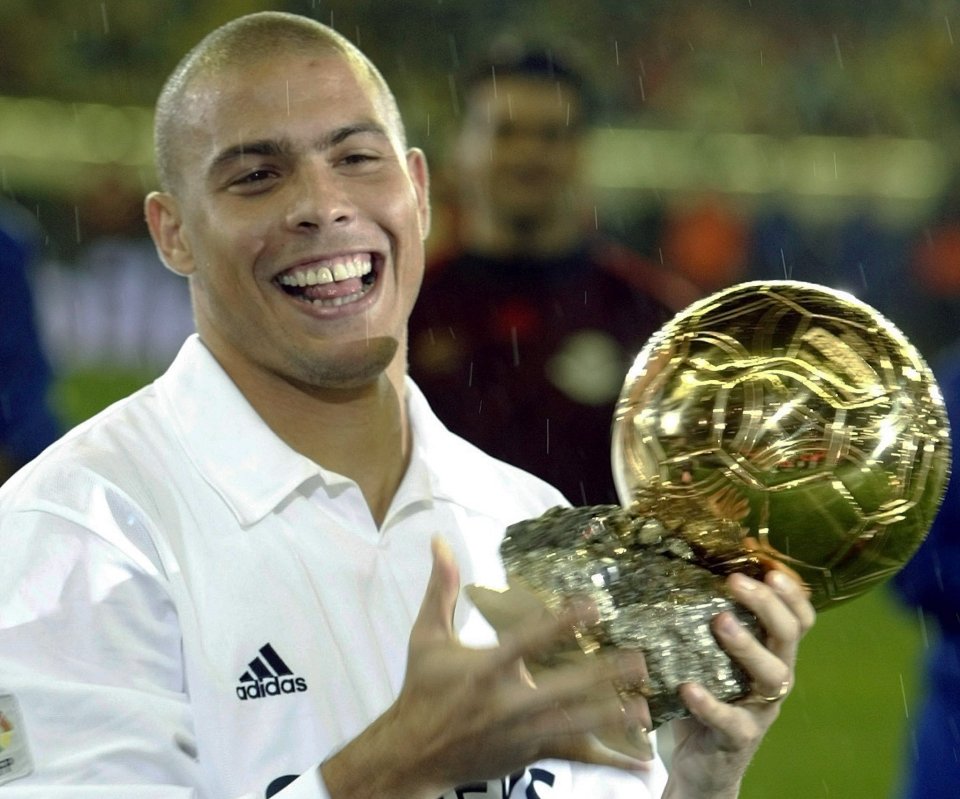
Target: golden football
801, 414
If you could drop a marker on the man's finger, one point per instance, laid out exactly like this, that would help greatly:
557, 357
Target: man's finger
435, 618
795, 596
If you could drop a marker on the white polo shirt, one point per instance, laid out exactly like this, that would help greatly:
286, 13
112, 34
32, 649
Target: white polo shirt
190, 608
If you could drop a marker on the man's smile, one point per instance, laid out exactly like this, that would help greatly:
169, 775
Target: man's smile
330, 282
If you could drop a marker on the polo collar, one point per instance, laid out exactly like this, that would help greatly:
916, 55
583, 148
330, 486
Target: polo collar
450, 468
251, 468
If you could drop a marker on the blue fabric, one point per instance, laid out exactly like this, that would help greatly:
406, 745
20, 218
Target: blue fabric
931, 582
27, 424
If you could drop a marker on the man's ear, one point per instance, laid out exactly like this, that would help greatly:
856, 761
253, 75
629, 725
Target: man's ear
420, 175
166, 227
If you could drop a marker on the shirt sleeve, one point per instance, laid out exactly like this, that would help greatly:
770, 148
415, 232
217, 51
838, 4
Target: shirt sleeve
91, 652
27, 423
90, 649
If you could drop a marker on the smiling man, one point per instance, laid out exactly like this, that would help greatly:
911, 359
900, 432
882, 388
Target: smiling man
301, 229
528, 322
223, 586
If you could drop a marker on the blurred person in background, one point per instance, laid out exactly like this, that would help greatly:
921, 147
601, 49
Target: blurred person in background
930, 296
27, 422
527, 325
931, 582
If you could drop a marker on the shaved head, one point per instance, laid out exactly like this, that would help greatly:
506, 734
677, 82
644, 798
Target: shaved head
239, 43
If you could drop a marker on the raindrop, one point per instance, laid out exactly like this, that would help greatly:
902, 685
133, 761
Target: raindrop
454, 100
103, 14
949, 32
76, 223
454, 57
903, 693
836, 47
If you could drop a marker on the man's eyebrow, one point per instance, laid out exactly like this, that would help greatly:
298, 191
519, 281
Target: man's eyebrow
278, 147
237, 151
342, 134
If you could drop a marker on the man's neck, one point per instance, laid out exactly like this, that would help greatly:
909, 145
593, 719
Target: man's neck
361, 433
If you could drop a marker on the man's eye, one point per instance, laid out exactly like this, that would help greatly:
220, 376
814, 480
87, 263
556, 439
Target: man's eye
254, 181
256, 176
359, 159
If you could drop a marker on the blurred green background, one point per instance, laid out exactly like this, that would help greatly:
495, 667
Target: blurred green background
838, 115
844, 732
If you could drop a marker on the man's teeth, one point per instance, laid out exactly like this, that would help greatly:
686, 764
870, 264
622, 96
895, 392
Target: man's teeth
330, 272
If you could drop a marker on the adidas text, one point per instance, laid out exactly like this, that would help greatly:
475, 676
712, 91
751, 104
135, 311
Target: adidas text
272, 686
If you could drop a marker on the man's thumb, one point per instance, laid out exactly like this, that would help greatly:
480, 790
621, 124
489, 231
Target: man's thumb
435, 619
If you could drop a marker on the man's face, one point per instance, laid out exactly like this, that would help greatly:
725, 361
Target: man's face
519, 150
299, 220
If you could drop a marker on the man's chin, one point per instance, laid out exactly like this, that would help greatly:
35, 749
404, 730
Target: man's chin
355, 366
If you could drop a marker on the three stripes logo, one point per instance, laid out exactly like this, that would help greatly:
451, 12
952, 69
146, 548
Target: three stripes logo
268, 675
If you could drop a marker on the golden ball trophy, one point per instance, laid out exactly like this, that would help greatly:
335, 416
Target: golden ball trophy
771, 421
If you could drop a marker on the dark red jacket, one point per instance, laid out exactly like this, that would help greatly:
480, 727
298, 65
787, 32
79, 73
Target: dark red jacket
525, 358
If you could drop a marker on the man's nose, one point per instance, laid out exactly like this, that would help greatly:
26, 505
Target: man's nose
320, 198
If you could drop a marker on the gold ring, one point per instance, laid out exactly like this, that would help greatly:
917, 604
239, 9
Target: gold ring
784, 690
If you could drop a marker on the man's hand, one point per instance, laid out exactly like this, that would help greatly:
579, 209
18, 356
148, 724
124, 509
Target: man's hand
715, 746
465, 715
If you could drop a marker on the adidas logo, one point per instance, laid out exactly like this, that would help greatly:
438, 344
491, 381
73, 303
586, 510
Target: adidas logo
268, 675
